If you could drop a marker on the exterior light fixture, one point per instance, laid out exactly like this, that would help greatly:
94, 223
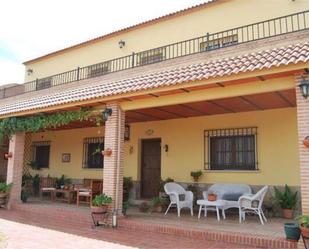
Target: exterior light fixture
127, 132
121, 43
29, 71
107, 113
304, 87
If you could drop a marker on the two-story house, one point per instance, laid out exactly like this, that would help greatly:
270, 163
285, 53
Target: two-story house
215, 87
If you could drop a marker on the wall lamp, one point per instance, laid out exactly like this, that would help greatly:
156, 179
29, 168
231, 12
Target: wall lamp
121, 43
29, 71
107, 113
304, 87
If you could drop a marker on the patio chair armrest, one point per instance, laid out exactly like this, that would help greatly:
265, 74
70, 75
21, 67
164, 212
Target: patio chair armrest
189, 195
246, 198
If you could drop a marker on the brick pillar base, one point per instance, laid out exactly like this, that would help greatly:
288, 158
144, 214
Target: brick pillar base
15, 167
303, 131
113, 165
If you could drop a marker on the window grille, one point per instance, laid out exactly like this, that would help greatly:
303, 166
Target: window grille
92, 156
231, 149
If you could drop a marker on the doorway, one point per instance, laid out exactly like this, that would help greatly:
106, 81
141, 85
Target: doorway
150, 167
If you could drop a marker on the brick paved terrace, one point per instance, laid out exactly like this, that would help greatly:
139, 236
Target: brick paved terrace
151, 230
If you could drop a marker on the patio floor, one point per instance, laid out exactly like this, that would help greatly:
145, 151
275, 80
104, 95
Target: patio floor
250, 234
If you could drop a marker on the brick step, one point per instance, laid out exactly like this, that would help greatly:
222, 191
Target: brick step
226, 237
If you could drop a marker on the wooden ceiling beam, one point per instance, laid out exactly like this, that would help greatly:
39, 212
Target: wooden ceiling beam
243, 98
193, 109
221, 106
220, 84
261, 78
169, 112
285, 99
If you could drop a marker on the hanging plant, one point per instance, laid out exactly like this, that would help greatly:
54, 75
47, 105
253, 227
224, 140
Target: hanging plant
41, 122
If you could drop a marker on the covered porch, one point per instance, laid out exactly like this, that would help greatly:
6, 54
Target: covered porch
261, 116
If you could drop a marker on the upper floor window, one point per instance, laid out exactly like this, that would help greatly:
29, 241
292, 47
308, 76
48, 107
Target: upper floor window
40, 153
231, 149
44, 83
92, 156
214, 43
99, 69
151, 56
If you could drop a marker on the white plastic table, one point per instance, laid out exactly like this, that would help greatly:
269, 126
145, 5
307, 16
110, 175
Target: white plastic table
211, 205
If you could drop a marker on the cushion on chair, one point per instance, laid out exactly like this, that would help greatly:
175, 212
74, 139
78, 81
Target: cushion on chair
182, 197
47, 189
84, 193
231, 196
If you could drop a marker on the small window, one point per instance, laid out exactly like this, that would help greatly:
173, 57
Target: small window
40, 153
151, 56
99, 69
213, 43
92, 156
231, 149
44, 83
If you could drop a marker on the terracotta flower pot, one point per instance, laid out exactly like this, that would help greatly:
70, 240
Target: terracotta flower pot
102, 209
304, 231
107, 152
212, 197
3, 198
8, 155
158, 209
306, 142
287, 213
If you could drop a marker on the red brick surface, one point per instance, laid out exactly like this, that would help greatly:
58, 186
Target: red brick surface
66, 224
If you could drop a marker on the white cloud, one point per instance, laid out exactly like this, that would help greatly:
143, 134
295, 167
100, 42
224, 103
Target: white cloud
35, 27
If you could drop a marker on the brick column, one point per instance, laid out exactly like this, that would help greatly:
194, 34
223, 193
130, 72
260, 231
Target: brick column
15, 166
303, 131
114, 140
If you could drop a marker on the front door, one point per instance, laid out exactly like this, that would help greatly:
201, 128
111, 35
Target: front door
151, 167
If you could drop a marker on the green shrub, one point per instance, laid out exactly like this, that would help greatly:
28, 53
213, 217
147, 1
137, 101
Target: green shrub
304, 220
286, 199
5, 188
100, 200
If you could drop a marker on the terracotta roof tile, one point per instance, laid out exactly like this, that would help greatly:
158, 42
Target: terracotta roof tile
234, 65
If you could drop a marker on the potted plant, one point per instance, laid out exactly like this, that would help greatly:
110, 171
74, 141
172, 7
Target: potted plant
4, 191
100, 203
127, 186
292, 231
157, 204
287, 200
161, 185
304, 225
196, 175
24, 195
34, 165
125, 207
144, 207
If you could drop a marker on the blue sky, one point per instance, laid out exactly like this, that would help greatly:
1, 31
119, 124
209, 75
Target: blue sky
32, 28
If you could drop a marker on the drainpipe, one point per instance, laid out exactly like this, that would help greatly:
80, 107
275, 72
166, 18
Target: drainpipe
115, 211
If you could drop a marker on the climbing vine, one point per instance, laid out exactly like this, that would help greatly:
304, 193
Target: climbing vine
41, 122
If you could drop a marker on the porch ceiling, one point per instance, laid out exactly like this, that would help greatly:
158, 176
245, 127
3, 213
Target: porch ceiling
256, 102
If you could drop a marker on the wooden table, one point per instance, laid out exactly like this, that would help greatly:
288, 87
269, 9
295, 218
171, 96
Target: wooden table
67, 195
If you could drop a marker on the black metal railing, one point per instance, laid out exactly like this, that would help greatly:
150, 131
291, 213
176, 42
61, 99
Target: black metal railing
211, 41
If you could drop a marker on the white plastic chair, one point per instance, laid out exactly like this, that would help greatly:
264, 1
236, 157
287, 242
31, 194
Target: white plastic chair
174, 190
246, 205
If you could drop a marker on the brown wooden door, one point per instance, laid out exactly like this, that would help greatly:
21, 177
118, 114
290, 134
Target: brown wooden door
151, 167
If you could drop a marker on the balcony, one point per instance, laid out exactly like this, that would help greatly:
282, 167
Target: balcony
248, 33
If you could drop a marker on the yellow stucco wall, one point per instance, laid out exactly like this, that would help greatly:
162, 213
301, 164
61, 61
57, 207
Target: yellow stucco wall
277, 148
218, 17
